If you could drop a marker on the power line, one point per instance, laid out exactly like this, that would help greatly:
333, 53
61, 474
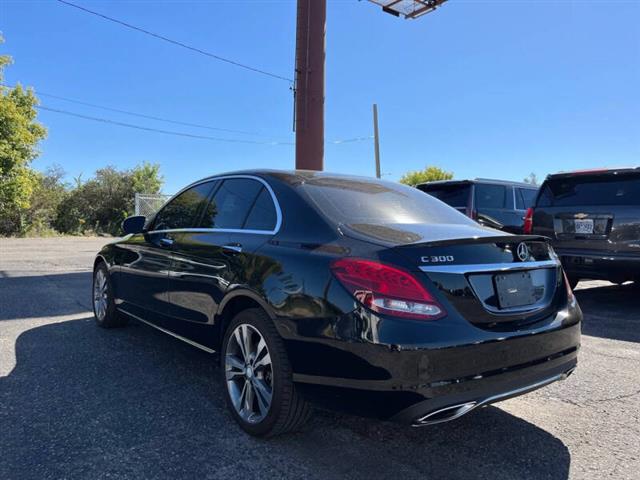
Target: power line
135, 114
157, 130
175, 42
188, 135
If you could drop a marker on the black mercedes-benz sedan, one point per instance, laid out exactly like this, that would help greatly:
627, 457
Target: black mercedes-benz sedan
352, 293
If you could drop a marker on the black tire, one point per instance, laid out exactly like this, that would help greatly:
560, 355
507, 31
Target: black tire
111, 318
288, 411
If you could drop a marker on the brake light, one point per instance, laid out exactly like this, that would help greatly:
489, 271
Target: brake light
528, 221
386, 289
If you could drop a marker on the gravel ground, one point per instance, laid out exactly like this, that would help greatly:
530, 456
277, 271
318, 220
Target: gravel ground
81, 402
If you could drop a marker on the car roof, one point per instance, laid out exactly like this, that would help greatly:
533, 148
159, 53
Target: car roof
595, 171
292, 176
481, 180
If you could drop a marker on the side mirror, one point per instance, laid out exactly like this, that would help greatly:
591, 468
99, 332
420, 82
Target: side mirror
134, 224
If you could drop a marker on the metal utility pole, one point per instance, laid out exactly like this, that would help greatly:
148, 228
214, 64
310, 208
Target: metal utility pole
376, 139
309, 84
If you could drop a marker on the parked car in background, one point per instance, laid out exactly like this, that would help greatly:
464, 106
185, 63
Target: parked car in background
359, 294
493, 203
593, 220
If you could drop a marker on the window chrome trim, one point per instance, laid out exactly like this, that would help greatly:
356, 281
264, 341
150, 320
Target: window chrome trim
276, 204
489, 267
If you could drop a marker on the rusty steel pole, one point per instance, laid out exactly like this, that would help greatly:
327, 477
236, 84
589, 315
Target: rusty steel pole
309, 84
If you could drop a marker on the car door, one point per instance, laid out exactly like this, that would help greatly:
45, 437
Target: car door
208, 257
146, 257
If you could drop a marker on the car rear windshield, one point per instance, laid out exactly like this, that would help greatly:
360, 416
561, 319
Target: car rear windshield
354, 201
455, 195
581, 190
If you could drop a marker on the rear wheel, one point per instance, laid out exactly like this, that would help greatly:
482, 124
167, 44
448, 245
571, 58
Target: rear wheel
256, 375
104, 307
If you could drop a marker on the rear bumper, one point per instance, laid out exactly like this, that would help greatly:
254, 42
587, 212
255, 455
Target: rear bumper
457, 366
600, 265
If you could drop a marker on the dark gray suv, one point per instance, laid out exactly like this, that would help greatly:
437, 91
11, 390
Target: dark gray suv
593, 220
498, 204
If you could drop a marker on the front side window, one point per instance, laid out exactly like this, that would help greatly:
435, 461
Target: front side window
231, 204
490, 196
183, 210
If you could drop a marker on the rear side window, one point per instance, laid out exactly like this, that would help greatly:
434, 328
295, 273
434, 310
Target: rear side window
490, 196
591, 190
525, 198
231, 203
183, 210
263, 213
455, 195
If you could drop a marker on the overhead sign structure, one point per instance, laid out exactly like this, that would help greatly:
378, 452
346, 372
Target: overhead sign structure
408, 9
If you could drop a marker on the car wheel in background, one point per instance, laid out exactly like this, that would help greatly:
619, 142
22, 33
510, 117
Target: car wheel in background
257, 378
104, 307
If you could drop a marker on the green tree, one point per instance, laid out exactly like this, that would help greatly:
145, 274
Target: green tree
48, 193
19, 137
429, 174
532, 178
101, 203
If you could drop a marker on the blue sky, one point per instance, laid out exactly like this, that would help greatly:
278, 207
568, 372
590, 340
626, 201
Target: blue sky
481, 88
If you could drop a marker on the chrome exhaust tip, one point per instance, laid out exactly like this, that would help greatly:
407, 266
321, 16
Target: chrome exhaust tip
445, 414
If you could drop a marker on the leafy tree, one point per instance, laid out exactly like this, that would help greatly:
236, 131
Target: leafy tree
532, 178
101, 203
19, 137
48, 193
429, 174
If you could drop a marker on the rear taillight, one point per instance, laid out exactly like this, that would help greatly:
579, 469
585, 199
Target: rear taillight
528, 221
386, 289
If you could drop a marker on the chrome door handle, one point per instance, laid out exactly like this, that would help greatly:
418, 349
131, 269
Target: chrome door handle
166, 242
236, 247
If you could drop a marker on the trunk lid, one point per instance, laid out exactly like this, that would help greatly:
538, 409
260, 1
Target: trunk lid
494, 280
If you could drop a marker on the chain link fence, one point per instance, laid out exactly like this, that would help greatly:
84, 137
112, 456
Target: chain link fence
149, 204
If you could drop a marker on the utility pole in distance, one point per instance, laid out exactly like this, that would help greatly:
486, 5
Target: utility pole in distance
376, 139
309, 84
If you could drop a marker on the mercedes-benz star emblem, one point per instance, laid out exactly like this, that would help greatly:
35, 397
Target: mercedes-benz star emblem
523, 252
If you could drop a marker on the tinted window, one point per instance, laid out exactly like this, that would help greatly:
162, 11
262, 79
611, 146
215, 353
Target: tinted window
369, 201
525, 198
183, 210
454, 195
263, 213
490, 196
591, 190
231, 203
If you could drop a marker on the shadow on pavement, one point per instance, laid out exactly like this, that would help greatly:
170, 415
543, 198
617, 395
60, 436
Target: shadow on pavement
44, 295
611, 311
83, 402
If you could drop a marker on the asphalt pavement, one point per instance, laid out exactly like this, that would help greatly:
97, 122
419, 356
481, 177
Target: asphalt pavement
77, 401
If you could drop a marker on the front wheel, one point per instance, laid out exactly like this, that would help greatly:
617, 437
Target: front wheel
104, 307
256, 375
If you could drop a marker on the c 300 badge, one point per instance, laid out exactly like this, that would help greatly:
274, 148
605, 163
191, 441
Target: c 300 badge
437, 259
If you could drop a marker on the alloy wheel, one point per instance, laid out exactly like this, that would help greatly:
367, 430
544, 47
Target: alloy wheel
100, 294
249, 373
